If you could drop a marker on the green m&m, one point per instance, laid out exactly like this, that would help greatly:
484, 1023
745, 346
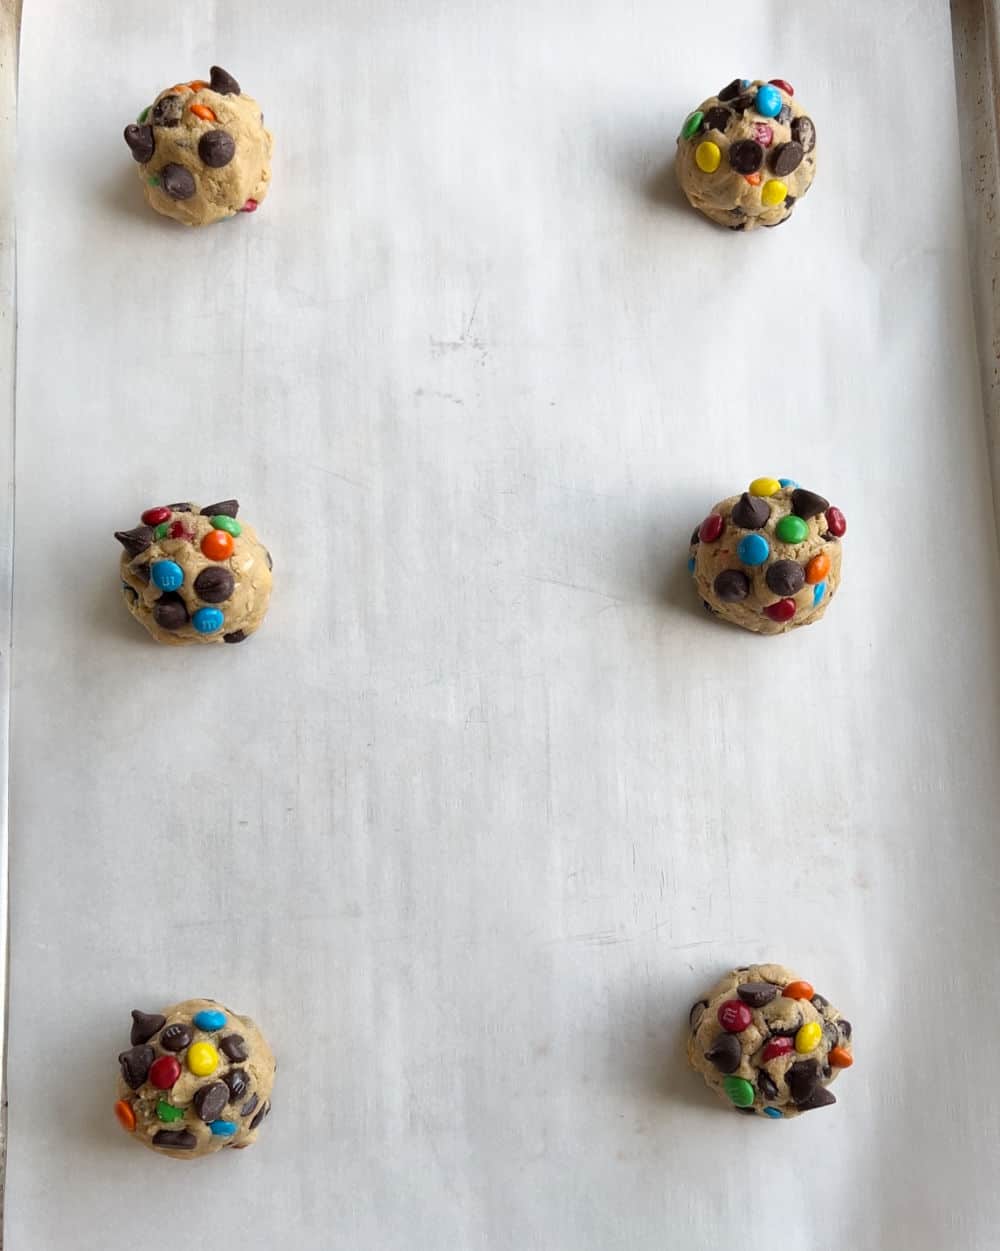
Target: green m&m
167, 1112
739, 1091
692, 123
229, 524
791, 529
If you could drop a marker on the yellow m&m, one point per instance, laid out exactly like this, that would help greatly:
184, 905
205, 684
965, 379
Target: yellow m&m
807, 1039
765, 486
773, 192
707, 156
202, 1058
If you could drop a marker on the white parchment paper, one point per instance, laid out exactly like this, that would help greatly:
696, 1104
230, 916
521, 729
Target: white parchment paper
490, 800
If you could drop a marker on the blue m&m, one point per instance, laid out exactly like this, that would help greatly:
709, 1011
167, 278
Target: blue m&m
222, 1129
753, 549
819, 590
768, 101
167, 575
773, 1113
207, 620
209, 1019
788, 482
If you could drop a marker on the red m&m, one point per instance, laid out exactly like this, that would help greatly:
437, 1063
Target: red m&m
783, 610
710, 528
780, 82
734, 1015
836, 522
164, 1072
155, 516
777, 1047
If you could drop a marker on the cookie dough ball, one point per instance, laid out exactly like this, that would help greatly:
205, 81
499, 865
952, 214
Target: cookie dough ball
746, 155
195, 1079
769, 560
766, 1042
202, 151
195, 576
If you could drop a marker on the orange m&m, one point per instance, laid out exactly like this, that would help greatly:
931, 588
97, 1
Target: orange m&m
204, 112
798, 990
841, 1058
217, 545
125, 1115
818, 568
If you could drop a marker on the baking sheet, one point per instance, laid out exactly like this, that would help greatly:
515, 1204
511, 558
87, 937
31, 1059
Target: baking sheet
489, 801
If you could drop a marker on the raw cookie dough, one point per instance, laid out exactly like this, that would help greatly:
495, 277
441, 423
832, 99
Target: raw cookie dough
746, 155
769, 560
767, 1043
195, 1079
202, 151
195, 577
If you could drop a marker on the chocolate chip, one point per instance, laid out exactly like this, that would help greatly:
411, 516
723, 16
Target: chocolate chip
210, 1100
804, 132
802, 1079
827, 1071
820, 1098
746, 156
135, 1065
819, 1002
177, 181
260, 1116
738, 212
140, 142
170, 612
175, 1139
145, 1025
225, 84
785, 577
249, 1106
140, 571
845, 1027
756, 994
750, 512
784, 113
175, 1037
697, 1012
731, 585
717, 118
179, 508
751, 1111
806, 504
742, 103
236, 636
129, 592
214, 584
135, 540
168, 111
233, 1047
270, 562
224, 508
789, 201
695, 537
216, 148
237, 1083
786, 157
733, 89
767, 1086
725, 1053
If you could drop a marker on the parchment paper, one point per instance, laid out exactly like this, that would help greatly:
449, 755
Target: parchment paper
490, 800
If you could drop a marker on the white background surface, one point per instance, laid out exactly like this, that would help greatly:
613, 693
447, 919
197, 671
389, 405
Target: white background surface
490, 800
